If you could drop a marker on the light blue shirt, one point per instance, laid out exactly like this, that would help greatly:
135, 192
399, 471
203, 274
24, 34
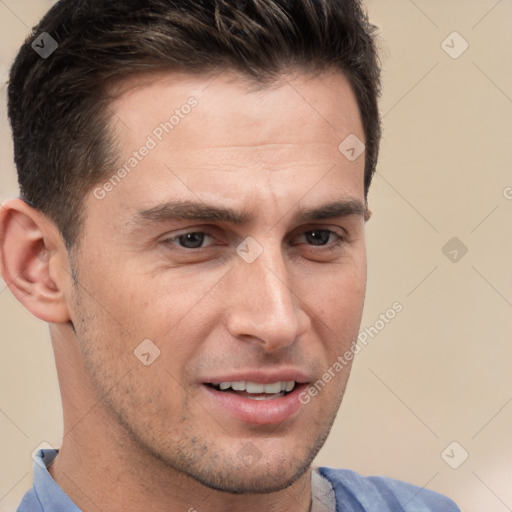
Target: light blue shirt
353, 492
46, 495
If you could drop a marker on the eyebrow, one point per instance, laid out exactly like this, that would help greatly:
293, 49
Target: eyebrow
335, 209
190, 210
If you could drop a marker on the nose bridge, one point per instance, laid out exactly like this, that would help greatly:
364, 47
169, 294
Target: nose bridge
276, 287
265, 307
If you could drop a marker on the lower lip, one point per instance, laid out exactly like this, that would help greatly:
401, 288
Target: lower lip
257, 412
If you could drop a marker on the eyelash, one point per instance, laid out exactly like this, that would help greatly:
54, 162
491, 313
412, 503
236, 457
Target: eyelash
174, 238
330, 246
327, 247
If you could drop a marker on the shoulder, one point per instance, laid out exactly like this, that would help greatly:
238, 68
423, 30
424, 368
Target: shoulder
382, 494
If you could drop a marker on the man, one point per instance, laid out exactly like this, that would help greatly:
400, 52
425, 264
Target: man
194, 180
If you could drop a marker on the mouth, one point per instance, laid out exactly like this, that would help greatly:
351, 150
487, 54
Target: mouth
269, 401
255, 390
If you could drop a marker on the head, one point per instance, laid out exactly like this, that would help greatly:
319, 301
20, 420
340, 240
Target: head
190, 213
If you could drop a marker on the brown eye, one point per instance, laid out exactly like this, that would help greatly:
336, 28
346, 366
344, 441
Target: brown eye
192, 240
318, 236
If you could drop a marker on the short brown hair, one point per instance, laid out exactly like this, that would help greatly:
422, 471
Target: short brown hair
58, 106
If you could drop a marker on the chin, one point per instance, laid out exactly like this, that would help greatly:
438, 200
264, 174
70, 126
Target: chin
257, 480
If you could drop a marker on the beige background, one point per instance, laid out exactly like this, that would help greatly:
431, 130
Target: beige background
440, 371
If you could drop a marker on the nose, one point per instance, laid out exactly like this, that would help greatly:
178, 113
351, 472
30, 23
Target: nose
264, 307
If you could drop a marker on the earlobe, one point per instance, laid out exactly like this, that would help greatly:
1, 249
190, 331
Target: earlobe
29, 246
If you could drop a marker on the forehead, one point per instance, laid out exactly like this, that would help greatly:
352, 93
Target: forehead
221, 138
226, 99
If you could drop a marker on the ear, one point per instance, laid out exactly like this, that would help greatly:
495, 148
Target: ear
33, 261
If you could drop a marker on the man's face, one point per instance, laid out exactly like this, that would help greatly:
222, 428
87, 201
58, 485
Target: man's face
235, 243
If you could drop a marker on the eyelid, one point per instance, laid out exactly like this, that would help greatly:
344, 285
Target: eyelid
336, 230
210, 231
331, 245
171, 238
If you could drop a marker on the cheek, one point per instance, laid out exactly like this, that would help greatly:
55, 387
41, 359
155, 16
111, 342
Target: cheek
338, 295
337, 308
147, 305
111, 320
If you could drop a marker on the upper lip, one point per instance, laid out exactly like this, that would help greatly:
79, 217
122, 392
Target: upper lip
260, 376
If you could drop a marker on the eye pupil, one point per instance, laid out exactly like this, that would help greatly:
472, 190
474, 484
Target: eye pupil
318, 237
191, 240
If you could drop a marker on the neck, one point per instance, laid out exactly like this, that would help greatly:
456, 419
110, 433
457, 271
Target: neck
96, 478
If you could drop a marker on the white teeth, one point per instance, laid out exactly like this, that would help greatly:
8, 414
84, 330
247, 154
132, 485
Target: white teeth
272, 388
254, 387
289, 385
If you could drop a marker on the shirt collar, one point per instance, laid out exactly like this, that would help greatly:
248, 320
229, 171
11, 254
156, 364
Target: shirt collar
49, 494
54, 499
